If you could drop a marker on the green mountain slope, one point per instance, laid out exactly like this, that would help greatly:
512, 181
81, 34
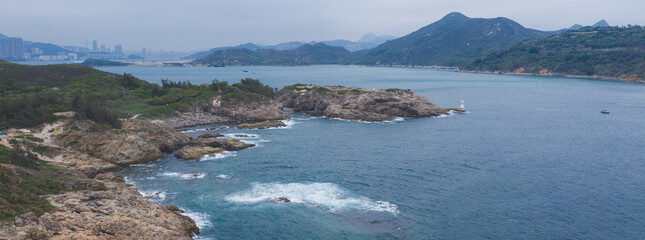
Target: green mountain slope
453, 40
304, 55
602, 51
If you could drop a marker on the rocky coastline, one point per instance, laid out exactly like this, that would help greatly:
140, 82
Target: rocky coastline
116, 210
358, 103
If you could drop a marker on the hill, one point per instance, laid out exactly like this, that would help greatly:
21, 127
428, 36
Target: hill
101, 63
453, 40
603, 51
30, 95
303, 55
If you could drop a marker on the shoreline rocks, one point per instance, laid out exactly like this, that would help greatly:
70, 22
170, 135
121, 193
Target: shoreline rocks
209, 144
262, 125
358, 103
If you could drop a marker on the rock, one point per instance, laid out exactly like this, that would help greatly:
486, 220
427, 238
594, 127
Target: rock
117, 213
225, 143
283, 199
137, 142
357, 103
241, 135
261, 125
210, 135
227, 110
196, 152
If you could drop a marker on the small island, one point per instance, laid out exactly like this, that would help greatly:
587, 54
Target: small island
102, 63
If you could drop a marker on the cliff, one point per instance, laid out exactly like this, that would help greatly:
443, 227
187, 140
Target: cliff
357, 103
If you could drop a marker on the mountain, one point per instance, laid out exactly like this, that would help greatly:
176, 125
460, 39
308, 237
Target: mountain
47, 48
574, 27
602, 51
367, 41
453, 40
305, 54
601, 23
2, 36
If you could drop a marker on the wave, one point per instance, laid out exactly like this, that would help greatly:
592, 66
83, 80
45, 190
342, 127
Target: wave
201, 219
223, 176
288, 124
184, 176
325, 195
242, 135
154, 196
451, 113
221, 155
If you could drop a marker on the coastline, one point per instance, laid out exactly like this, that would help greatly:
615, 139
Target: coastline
556, 75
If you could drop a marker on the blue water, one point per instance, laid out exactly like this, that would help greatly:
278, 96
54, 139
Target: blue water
532, 159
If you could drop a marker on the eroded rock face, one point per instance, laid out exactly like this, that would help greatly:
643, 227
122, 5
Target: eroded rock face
137, 142
227, 110
119, 212
358, 103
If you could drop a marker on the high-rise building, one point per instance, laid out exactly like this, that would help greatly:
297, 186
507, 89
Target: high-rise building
12, 49
95, 46
118, 49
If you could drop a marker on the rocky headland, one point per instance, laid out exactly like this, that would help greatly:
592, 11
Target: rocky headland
358, 103
227, 110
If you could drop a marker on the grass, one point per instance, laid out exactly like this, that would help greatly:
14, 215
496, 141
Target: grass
30, 138
25, 178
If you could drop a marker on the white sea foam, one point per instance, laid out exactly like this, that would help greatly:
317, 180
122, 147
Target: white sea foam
221, 155
242, 135
450, 113
154, 196
194, 130
184, 176
223, 176
325, 195
201, 219
288, 124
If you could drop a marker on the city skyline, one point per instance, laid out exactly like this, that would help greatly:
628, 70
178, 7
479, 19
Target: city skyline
199, 25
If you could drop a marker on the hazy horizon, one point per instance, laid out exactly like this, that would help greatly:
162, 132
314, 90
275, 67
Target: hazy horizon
199, 25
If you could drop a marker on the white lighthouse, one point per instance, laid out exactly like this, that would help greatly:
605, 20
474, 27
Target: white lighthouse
462, 107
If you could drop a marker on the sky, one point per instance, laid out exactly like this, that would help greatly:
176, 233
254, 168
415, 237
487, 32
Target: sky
190, 25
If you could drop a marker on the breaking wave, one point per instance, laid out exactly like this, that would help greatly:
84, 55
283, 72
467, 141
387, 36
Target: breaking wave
324, 195
184, 176
221, 155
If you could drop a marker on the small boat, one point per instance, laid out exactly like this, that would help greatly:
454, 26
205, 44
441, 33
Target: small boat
604, 112
245, 70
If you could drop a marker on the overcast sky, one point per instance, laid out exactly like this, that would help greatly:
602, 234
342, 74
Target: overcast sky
201, 24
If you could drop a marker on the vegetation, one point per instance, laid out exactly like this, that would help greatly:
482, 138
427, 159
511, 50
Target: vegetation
24, 178
30, 95
101, 63
454, 40
602, 51
304, 55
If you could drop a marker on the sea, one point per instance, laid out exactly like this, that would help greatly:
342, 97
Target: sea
532, 158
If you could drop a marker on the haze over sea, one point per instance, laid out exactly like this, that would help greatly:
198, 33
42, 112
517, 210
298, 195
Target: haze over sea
532, 158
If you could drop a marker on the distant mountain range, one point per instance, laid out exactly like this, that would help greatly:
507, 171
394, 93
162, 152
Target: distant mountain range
367, 41
305, 54
601, 51
601, 23
453, 40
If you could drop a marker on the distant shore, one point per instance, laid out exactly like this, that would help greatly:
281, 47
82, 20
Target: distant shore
555, 75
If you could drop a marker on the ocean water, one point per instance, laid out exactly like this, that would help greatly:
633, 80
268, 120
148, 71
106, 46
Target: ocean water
532, 158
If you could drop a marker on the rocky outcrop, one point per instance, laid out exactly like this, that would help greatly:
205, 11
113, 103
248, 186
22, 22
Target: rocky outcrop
196, 152
358, 103
119, 212
209, 144
138, 141
227, 110
262, 125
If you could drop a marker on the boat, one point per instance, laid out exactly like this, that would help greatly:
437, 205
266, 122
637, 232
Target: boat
245, 70
604, 112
